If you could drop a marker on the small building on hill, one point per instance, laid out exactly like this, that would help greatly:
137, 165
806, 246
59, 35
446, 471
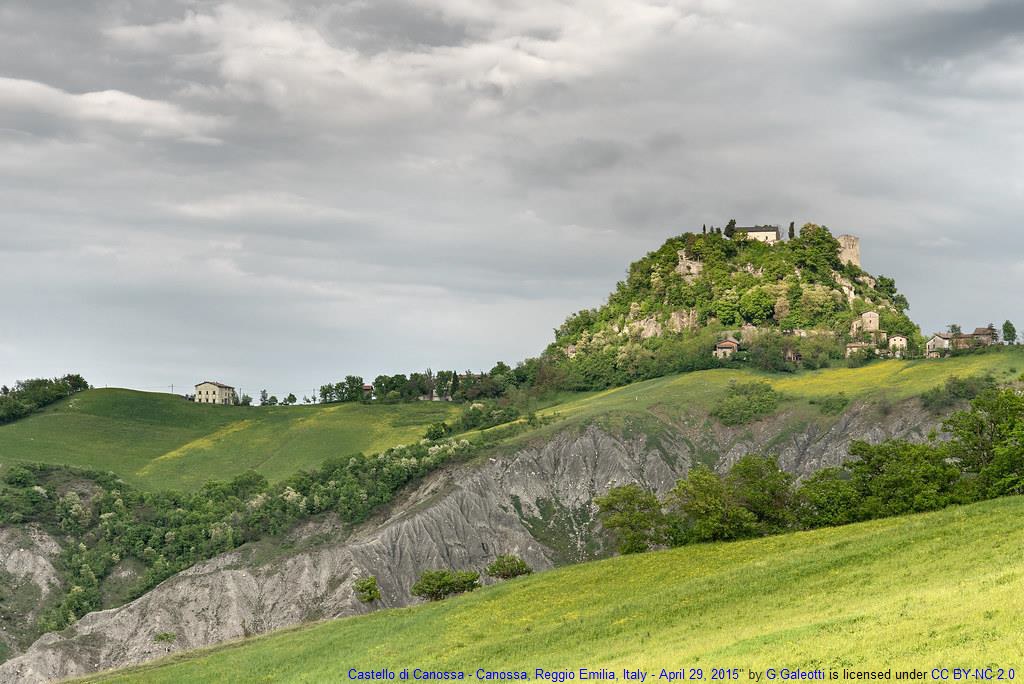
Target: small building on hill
855, 347
766, 234
208, 392
726, 348
943, 343
898, 345
868, 322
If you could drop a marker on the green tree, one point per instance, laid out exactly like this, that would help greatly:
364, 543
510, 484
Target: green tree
508, 566
760, 486
792, 230
366, 589
757, 305
634, 516
827, 498
1009, 333
706, 509
435, 585
730, 228
893, 478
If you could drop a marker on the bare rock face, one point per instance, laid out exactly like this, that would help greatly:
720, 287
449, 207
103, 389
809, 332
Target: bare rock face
679, 321
27, 579
537, 503
460, 518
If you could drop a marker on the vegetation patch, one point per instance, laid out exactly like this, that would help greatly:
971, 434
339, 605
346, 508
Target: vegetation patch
698, 604
746, 402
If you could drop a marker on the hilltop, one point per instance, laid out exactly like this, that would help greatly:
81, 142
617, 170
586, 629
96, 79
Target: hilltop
933, 590
679, 299
161, 441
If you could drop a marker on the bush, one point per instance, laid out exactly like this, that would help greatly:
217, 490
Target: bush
956, 390
438, 431
834, 404
366, 589
435, 585
745, 403
507, 567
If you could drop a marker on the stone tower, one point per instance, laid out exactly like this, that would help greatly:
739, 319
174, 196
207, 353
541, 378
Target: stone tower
849, 252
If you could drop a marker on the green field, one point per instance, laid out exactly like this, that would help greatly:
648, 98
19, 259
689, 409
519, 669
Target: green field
162, 441
933, 590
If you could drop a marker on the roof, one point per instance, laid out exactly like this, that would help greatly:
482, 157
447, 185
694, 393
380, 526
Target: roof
857, 345
216, 384
944, 336
759, 229
983, 331
728, 342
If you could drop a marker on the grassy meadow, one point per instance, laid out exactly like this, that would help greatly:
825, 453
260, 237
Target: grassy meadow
932, 590
162, 441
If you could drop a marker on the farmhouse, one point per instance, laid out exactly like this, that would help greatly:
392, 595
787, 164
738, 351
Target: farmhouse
208, 392
726, 348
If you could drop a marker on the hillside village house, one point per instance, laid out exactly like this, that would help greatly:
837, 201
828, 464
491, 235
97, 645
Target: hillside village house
208, 392
898, 345
726, 348
943, 343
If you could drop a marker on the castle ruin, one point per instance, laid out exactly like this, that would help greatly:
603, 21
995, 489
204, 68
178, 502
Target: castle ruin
849, 252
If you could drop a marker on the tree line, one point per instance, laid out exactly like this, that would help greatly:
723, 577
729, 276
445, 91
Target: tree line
28, 396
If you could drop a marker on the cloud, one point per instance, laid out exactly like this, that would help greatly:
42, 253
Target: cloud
400, 183
148, 118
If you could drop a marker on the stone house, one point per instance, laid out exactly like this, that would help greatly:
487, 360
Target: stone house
855, 347
898, 344
942, 343
726, 348
208, 392
868, 322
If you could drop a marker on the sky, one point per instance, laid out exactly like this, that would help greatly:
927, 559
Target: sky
276, 194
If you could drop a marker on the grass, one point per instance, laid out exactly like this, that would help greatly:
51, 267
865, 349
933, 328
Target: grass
161, 441
934, 590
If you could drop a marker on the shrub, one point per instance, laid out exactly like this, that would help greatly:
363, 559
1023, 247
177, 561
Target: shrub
955, 390
438, 431
745, 403
507, 567
834, 404
165, 638
435, 585
366, 589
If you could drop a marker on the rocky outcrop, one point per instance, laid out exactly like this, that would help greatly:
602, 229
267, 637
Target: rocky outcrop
536, 503
679, 321
27, 579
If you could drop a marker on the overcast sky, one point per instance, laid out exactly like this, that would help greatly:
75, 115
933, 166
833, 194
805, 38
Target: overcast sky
276, 194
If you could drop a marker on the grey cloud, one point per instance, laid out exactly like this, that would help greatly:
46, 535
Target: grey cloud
434, 182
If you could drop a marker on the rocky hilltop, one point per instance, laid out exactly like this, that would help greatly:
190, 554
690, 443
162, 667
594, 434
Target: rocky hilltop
715, 283
535, 501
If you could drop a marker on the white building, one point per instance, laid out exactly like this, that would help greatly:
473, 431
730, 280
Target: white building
767, 234
208, 392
